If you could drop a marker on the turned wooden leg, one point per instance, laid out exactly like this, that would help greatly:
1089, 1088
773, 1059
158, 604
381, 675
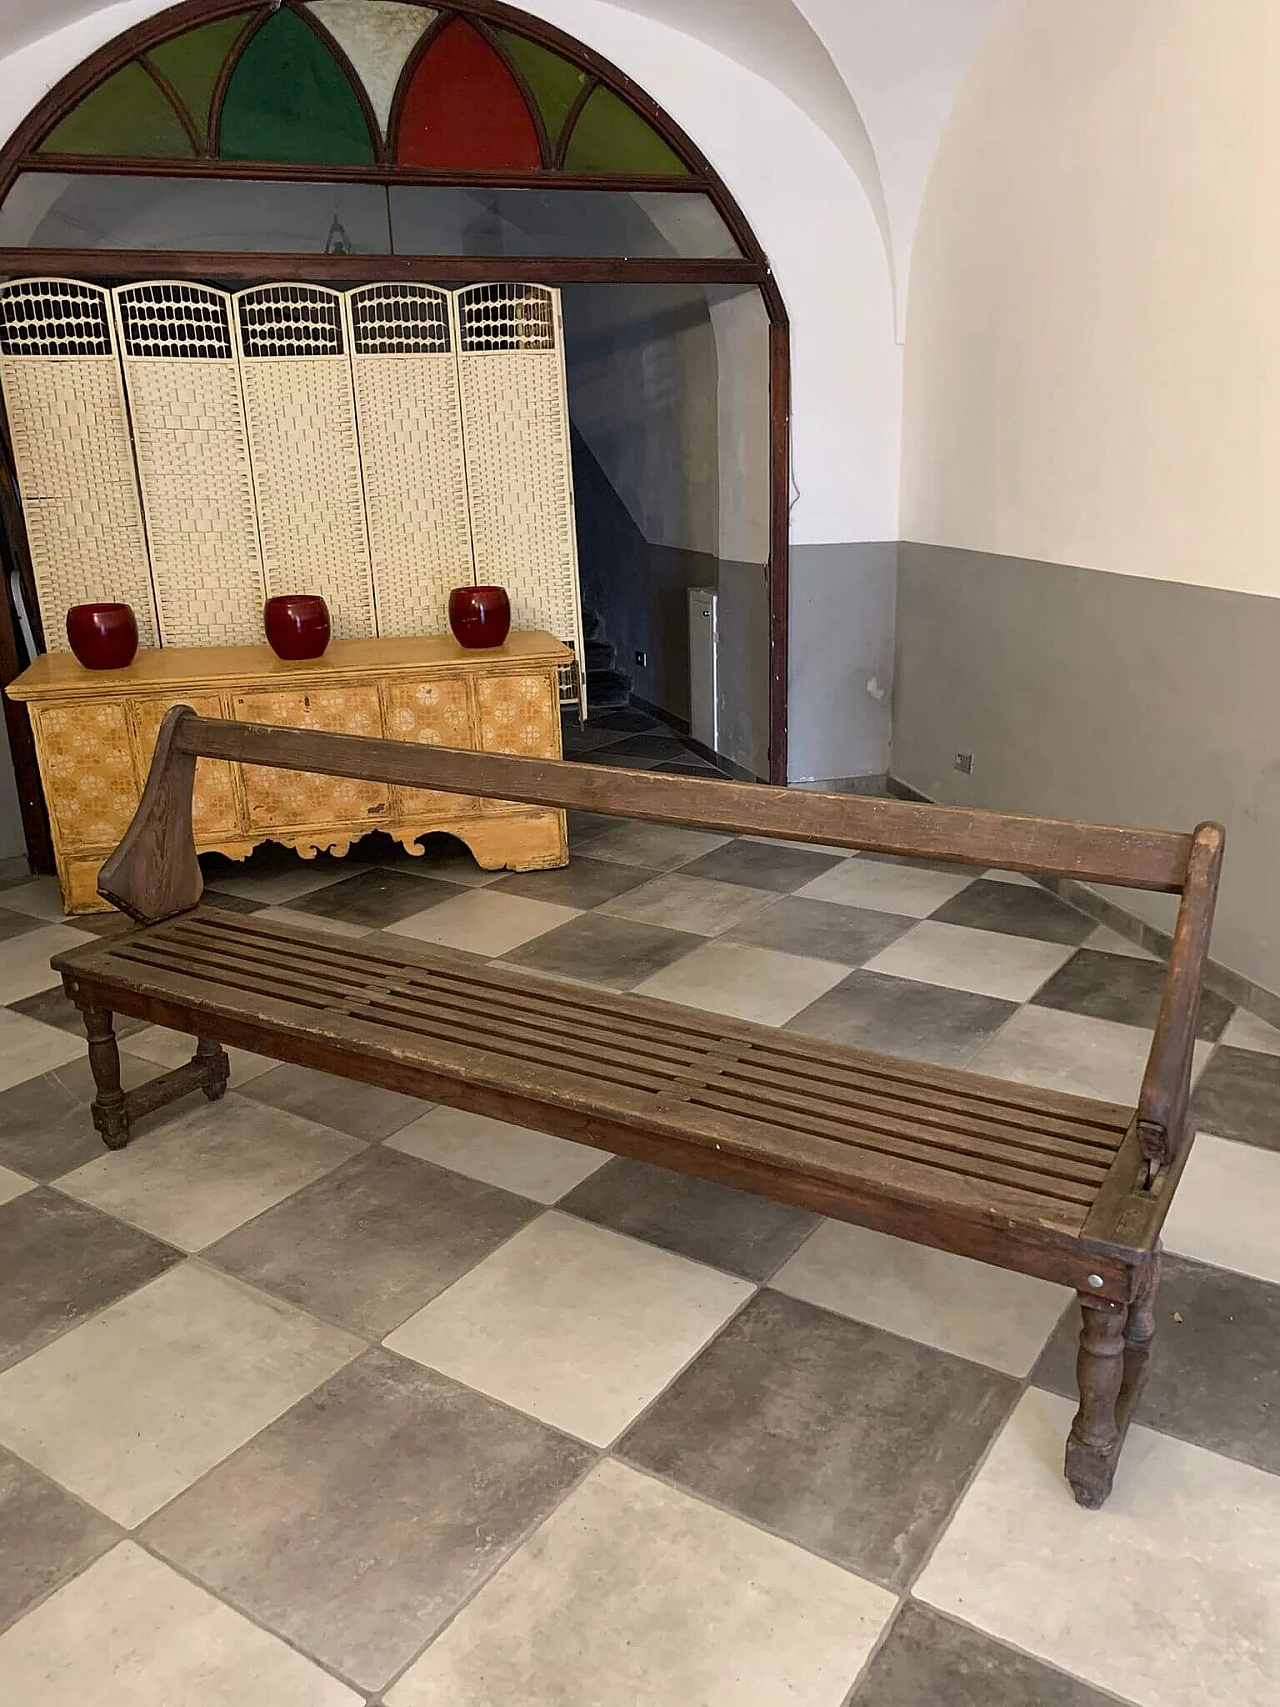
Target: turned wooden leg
110, 1114
212, 1058
1093, 1445
1140, 1329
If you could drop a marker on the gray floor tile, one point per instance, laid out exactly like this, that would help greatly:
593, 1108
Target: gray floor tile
1018, 911
731, 1230
45, 1125
618, 761
1238, 1096
655, 744
17, 924
840, 1436
229, 903
583, 883
357, 1523
761, 865
105, 924
618, 953
1212, 1377
363, 1111
1119, 987
823, 930
370, 1243
929, 1661
949, 867
583, 826
375, 898
61, 1262
46, 1536
52, 1007
897, 1016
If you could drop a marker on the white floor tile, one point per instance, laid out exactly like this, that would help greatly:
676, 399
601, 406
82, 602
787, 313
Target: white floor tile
311, 921
129, 1408
483, 923
987, 1314
1111, 942
1247, 1031
129, 1632
24, 960
1019, 879
41, 898
635, 1593
1226, 1210
888, 888
572, 1323
758, 984
700, 905
661, 847
278, 888
1073, 1053
209, 1171
986, 963
13, 1185
172, 1048
533, 1164
29, 1048
1169, 1596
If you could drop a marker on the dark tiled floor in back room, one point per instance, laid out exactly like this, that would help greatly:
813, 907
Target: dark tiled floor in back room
321, 1395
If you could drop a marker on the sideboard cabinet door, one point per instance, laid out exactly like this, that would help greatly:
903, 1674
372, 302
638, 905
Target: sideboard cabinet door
296, 800
517, 714
86, 764
437, 713
214, 811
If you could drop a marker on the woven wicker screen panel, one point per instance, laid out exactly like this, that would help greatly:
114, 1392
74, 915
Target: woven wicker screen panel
415, 484
304, 449
192, 447
515, 423
65, 400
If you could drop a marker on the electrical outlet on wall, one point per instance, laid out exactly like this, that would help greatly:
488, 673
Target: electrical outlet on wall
642, 660
964, 762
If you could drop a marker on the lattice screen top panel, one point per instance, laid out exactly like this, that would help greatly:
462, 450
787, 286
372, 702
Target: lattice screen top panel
506, 317
290, 320
173, 319
400, 320
55, 317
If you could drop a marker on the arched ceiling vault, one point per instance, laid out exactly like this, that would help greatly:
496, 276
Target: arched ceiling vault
878, 76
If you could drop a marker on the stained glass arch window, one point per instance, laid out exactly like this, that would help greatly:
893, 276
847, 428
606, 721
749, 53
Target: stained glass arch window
369, 84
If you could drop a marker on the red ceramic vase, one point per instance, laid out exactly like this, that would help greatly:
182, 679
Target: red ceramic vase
297, 625
103, 637
479, 616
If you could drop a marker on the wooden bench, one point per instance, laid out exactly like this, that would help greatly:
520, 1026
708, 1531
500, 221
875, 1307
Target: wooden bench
1062, 1187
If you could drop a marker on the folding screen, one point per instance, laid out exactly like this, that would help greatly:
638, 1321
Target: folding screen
72, 451
304, 449
515, 427
415, 486
192, 446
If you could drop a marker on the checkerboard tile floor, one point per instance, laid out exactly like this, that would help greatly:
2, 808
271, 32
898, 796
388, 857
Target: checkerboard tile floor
320, 1395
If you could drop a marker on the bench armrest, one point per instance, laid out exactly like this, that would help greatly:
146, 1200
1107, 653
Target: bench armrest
1166, 1085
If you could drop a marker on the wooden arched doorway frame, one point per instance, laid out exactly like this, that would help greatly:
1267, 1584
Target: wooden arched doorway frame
20, 154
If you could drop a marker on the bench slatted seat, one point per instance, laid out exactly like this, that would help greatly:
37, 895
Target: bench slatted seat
1066, 1188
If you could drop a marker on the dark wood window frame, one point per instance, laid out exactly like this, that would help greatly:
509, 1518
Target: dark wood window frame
20, 155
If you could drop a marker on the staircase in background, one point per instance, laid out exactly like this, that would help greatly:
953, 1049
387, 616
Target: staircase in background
608, 688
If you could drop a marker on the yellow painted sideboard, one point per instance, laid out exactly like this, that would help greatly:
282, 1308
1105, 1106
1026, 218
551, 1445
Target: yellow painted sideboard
95, 731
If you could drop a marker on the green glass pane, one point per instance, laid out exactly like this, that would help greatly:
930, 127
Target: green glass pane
610, 137
554, 83
127, 115
289, 100
192, 61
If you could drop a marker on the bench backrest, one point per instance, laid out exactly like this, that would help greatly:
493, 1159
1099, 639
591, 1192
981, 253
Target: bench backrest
154, 873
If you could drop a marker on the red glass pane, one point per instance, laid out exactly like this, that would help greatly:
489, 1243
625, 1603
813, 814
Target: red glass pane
464, 110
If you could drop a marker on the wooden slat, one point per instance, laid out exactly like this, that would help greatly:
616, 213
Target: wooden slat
912, 1149
1142, 859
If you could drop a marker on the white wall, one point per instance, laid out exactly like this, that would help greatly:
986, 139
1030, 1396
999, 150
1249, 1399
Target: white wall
1093, 352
